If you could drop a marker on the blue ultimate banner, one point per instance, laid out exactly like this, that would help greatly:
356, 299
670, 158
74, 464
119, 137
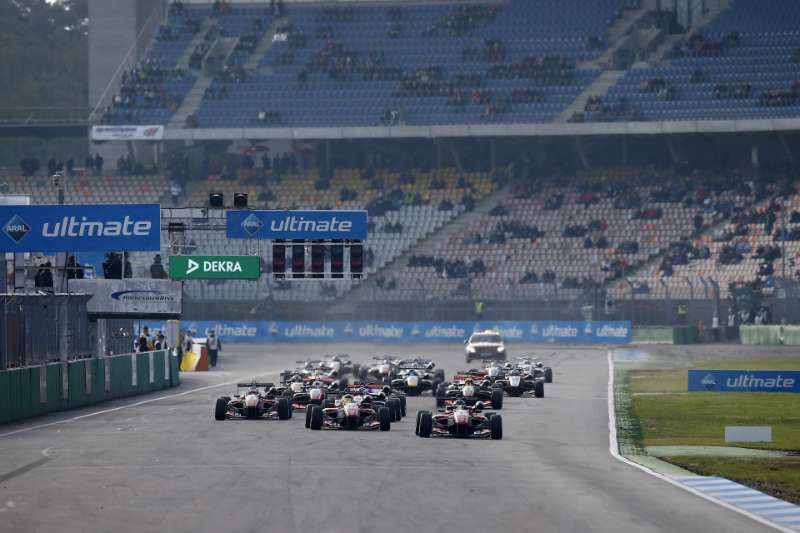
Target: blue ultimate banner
744, 380
398, 332
348, 225
80, 228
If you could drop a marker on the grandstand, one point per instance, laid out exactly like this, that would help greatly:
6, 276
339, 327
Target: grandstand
425, 113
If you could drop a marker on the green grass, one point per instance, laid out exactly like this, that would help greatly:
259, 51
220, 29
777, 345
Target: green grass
699, 419
779, 477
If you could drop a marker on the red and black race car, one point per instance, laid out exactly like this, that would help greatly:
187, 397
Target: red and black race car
460, 420
350, 412
254, 403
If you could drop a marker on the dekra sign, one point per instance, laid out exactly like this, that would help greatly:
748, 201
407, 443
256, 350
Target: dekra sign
215, 266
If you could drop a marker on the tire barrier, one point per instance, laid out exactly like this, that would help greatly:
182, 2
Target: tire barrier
770, 335
38, 390
665, 335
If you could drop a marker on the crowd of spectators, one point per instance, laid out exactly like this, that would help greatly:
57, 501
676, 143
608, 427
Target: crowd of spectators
450, 269
599, 110
699, 45
142, 88
553, 69
463, 19
776, 98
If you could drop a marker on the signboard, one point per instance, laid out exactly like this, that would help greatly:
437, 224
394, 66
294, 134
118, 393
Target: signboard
214, 267
324, 225
80, 228
130, 298
744, 381
127, 133
550, 332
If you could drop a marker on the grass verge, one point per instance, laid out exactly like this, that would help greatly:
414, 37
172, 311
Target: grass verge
779, 477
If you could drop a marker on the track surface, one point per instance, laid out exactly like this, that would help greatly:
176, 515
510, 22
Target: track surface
167, 466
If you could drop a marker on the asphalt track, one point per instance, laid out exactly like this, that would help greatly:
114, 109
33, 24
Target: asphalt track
167, 466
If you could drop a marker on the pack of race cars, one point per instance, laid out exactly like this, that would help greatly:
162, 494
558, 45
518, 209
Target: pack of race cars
337, 394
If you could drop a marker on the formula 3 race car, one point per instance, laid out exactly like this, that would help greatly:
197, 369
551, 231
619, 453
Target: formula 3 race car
460, 421
252, 402
464, 387
350, 413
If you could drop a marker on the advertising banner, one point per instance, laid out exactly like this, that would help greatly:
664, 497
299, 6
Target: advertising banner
744, 381
130, 298
345, 225
80, 228
127, 133
214, 267
397, 332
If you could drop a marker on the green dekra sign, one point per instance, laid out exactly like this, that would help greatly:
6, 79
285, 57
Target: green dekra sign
214, 267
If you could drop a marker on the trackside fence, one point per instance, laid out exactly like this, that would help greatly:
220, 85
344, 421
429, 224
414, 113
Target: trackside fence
32, 391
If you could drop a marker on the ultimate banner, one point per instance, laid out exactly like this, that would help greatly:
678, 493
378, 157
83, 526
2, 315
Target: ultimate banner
397, 332
80, 228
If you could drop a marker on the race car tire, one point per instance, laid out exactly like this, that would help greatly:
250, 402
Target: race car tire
356, 370
497, 399
394, 406
220, 409
384, 417
309, 408
496, 426
316, 418
343, 383
416, 427
402, 400
439, 374
435, 385
548, 375
362, 375
284, 409
425, 424
538, 389
441, 390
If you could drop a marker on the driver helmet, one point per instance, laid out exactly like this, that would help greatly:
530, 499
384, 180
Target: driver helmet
272, 390
386, 389
516, 372
367, 399
460, 403
297, 378
539, 365
468, 382
485, 383
430, 365
336, 358
494, 371
317, 384
346, 399
252, 390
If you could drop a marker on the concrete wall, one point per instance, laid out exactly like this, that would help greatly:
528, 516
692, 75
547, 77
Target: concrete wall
112, 31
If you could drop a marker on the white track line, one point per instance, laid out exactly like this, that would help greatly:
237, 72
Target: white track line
121, 407
614, 449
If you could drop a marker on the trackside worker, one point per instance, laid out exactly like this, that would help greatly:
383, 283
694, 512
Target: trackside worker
144, 343
214, 346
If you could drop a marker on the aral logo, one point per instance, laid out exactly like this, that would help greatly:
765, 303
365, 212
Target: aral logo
252, 224
16, 228
709, 382
191, 266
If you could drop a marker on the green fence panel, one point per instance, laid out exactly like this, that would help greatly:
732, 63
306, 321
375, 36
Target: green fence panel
98, 380
5, 401
14, 394
652, 335
791, 335
54, 401
19, 388
143, 373
37, 407
77, 384
691, 334
161, 378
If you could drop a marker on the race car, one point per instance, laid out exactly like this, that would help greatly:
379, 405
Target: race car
349, 413
464, 387
536, 368
486, 344
379, 372
380, 395
300, 393
253, 403
517, 383
414, 382
460, 421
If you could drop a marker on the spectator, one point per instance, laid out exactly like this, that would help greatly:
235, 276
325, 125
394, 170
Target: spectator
157, 269
98, 164
44, 276
73, 269
214, 347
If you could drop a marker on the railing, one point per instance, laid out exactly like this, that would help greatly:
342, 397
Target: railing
131, 59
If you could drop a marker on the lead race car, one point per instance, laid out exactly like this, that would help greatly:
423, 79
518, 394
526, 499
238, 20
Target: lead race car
350, 412
460, 420
253, 404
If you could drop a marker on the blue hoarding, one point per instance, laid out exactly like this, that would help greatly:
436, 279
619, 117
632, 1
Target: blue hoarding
80, 228
397, 332
348, 225
744, 381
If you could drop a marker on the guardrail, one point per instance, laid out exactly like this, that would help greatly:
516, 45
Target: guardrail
770, 335
38, 390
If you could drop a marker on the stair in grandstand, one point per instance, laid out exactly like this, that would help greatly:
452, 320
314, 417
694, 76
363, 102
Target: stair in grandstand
264, 44
598, 88
447, 232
